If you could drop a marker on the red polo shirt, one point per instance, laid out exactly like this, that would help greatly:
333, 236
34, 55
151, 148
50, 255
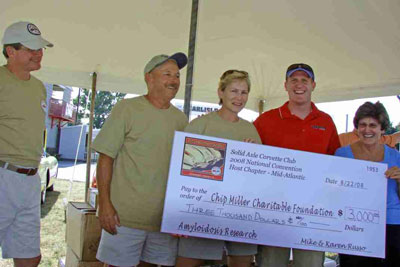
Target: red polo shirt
316, 133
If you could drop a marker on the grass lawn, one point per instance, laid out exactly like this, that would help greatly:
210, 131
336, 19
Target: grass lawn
52, 234
53, 244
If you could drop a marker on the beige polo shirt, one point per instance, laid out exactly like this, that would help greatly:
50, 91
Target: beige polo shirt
22, 119
139, 138
213, 125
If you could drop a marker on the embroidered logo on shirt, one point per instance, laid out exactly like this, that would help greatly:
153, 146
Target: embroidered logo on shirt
322, 128
43, 105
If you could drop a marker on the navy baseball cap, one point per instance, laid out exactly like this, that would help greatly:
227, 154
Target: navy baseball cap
301, 67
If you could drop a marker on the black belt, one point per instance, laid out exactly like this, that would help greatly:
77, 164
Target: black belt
10, 167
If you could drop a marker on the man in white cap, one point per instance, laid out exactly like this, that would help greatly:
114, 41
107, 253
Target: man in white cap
135, 146
22, 122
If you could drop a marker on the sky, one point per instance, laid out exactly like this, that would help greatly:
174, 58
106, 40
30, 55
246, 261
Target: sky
339, 110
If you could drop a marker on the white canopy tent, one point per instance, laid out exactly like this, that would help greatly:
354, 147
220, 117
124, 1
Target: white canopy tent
353, 46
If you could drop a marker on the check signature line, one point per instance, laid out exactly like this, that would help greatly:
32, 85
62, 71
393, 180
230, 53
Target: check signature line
329, 247
298, 226
305, 214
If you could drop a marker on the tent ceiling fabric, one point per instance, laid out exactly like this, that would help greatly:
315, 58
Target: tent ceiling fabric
353, 46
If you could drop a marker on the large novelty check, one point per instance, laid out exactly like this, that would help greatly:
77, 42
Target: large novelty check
251, 193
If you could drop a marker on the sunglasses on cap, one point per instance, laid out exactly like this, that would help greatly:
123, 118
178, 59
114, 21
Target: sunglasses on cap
229, 72
301, 67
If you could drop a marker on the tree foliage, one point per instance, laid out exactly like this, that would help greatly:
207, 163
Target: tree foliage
390, 129
104, 102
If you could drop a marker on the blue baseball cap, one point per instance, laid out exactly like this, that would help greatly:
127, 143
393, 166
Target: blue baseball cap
300, 67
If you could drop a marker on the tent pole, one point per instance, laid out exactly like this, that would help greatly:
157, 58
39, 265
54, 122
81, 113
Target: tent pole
261, 103
190, 65
89, 136
77, 106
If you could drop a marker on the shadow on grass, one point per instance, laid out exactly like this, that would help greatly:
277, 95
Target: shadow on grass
51, 199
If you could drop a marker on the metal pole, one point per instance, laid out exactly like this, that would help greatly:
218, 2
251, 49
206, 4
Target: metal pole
190, 65
77, 106
89, 136
347, 122
261, 103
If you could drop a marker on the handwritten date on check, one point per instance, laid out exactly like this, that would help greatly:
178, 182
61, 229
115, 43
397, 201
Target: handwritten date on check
243, 192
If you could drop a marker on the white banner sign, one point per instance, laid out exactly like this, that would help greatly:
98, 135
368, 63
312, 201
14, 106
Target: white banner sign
230, 190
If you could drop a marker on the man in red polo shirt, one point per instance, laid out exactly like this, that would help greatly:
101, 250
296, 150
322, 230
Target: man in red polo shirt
298, 124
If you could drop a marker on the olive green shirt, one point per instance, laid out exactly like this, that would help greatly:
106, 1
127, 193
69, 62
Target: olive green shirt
22, 119
138, 136
213, 125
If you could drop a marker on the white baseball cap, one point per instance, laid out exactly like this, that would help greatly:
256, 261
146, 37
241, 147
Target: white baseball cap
25, 33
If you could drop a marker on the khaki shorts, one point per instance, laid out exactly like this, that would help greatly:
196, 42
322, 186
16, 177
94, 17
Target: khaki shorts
212, 249
130, 246
279, 257
19, 215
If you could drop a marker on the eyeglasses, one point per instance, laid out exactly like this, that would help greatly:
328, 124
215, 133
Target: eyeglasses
229, 72
370, 125
299, 66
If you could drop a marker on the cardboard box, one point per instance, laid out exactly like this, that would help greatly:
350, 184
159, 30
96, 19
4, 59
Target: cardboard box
72, 260
93, 197
83, 230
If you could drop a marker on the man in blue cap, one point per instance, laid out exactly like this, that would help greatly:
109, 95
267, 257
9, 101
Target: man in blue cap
298, 124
